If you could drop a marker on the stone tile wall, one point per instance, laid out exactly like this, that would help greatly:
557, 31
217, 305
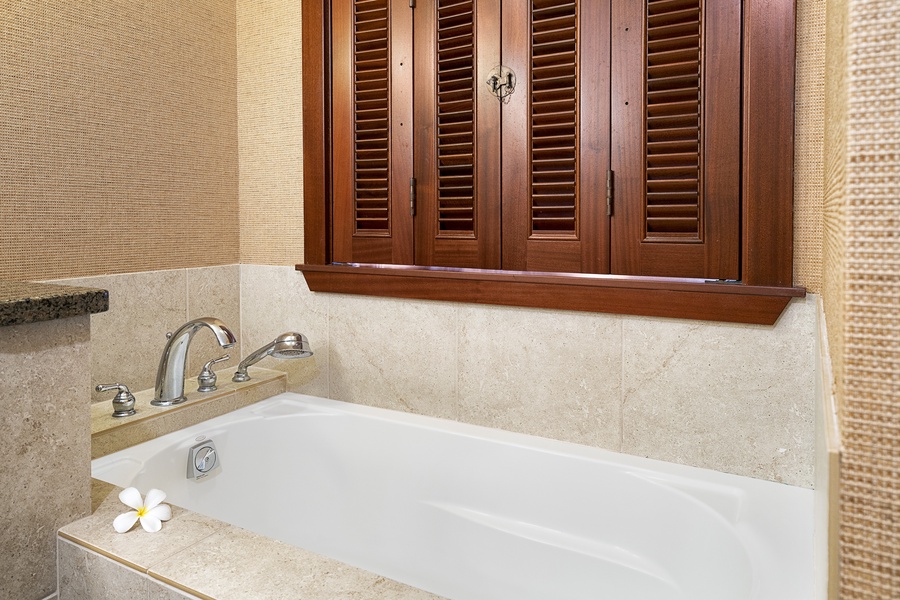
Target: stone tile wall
127, 340
735, 398
45, 442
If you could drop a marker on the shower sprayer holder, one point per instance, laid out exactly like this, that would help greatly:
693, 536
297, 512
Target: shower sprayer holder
287, 345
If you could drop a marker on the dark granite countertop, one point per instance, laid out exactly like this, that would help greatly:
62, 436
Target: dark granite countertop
27, 302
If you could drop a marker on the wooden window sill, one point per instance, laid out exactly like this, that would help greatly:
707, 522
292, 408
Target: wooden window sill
627, 295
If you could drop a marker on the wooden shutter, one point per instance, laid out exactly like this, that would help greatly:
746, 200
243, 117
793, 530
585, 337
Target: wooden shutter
457, 134
555, 135
676, 138
372, 138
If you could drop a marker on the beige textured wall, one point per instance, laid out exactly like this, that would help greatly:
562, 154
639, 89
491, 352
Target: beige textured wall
118, 136
270, 132
870, 290
809, 119
835, 184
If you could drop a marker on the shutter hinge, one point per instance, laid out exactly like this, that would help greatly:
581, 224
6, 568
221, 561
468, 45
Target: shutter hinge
609, 192
412, 196
412, 3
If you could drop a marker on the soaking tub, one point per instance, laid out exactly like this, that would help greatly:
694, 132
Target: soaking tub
471, 513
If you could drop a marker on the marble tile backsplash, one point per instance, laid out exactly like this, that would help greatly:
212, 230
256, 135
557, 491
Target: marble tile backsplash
541, 372
733, 398
127, 340
736, 398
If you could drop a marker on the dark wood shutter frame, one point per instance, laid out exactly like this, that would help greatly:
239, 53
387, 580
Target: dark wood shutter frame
767, 136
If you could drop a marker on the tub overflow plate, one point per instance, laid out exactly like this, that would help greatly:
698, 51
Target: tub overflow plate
202, 459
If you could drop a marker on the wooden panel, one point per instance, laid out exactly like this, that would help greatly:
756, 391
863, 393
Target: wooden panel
768, 142
555, 124
372, 152
675, 156
457, 132
316, 134
678, 298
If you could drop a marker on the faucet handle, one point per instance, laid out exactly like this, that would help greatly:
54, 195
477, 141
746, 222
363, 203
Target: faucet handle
206, 378
123, 403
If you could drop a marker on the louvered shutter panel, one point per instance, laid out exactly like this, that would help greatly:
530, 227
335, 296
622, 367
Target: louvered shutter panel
676, 138
555, 135
457, 135
372, 103
673, 121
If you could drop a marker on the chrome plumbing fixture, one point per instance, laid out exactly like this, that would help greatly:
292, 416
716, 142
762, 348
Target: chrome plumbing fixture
287, 345
206, 378
202, 459
123, 403
170, 376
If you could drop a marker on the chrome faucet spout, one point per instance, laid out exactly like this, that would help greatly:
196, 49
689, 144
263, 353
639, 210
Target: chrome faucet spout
170, 375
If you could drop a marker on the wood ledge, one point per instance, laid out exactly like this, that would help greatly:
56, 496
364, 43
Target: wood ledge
617, 294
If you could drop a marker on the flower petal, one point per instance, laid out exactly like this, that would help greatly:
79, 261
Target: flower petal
151, 524
131, 498
125, 521
154, 497
163, 512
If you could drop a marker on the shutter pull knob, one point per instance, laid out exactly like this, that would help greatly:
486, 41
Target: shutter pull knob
502, 81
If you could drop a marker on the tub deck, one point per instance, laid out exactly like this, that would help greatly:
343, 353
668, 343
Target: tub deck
195, 556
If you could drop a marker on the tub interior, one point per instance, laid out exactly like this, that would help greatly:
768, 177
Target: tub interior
471, 513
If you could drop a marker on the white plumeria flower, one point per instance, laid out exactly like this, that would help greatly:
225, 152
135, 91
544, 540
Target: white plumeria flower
150, 513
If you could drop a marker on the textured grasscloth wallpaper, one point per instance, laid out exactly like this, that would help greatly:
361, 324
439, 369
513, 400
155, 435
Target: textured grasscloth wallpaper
870, 471
809, 132
270, 131
118, 136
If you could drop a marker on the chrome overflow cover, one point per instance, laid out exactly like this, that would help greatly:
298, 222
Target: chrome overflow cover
202, 459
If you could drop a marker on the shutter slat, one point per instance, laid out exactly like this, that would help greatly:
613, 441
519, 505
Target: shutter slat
455, 109
672, 143
554, 118
371, 128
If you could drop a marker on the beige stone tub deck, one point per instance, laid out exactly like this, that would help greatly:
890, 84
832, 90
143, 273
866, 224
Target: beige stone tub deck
195, 556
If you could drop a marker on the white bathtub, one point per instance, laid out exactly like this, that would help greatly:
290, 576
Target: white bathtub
471, 513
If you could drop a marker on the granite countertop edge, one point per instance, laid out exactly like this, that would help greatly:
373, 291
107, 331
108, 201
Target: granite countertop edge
30, 302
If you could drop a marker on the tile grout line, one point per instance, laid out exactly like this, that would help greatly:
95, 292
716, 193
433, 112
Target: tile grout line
458, 328
621, 384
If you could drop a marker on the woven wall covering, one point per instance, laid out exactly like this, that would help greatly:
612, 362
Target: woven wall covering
809, 120
270, 132
870, 481
118, 137
835, 188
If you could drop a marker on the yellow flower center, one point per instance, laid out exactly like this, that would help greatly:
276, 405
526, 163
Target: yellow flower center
142, 511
